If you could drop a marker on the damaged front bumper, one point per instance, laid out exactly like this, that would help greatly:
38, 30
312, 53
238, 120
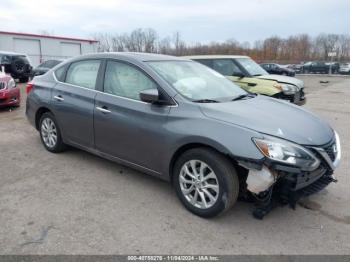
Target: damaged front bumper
297, 98
275, 183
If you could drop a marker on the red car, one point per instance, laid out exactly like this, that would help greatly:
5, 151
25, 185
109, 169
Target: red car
9, 92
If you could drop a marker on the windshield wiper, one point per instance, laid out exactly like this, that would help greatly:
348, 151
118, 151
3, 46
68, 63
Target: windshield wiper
243, 96
205, 101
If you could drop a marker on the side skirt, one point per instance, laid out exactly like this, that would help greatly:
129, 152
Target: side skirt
120, 161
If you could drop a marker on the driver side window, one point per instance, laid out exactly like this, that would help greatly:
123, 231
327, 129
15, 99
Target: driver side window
125, 80
226, 67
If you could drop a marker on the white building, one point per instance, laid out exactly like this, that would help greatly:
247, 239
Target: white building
40, 48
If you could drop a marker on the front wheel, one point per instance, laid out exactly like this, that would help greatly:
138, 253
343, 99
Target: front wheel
50, 133
206, 182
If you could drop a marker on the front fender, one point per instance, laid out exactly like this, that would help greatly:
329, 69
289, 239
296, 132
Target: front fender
255, 85
229, 139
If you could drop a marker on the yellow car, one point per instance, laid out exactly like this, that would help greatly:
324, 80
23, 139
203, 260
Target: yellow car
252, 77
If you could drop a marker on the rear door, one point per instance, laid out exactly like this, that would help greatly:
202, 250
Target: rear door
73, 102
126, 127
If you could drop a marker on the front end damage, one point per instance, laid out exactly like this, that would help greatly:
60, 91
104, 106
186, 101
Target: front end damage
297, 97
271, 183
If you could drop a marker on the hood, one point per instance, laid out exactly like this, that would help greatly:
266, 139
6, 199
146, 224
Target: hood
273, 117
284, 79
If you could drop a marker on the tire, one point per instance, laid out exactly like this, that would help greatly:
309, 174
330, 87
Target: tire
18, 66
48, 120
224, 196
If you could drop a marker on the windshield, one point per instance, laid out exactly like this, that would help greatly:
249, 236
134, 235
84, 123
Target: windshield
23, 57
252, 68
196, 81
50, 63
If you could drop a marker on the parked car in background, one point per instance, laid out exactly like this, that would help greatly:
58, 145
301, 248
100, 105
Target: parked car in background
252, 77
344, 68
296, 67
45, 66
334, 66
185, 123
9, 93
320, 67
277, 69
17, 65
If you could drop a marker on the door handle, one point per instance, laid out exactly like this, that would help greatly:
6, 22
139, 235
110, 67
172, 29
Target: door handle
103, 109
59, 98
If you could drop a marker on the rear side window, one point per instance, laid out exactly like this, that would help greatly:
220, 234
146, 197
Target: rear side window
60, 72
83, 73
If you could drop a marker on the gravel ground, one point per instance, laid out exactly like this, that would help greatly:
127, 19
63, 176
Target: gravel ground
77, 203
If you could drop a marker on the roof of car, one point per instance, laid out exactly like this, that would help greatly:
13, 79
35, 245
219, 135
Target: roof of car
214, 56
142, 57
10, 53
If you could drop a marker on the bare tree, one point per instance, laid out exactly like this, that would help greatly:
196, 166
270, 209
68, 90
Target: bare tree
326, 43
294, 49
180, 45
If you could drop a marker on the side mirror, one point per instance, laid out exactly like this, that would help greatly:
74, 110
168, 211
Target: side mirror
150, 96
239, 74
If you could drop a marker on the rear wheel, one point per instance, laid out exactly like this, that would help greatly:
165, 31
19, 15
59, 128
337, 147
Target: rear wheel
205, 182
50, 133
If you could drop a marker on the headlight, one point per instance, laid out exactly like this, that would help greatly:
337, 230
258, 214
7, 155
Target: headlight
337, 150
286, 152
11, 84
289, 89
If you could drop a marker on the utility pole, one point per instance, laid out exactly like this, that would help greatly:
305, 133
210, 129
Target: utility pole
331, 55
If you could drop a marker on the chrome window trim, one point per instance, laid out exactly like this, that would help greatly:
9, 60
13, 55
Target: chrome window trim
98, 91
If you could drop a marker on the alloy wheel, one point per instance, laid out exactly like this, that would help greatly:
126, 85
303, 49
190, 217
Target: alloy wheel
199, 184
49, 132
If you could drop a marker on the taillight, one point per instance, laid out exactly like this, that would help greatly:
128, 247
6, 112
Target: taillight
29, 87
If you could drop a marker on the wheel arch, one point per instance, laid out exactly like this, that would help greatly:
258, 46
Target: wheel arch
182, 149
38, 115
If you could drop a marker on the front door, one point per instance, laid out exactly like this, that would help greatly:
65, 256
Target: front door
126, 127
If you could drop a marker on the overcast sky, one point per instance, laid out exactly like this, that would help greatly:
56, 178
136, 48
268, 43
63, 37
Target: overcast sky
197, 20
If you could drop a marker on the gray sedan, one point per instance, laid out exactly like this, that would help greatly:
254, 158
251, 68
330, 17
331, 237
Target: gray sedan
183, 122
